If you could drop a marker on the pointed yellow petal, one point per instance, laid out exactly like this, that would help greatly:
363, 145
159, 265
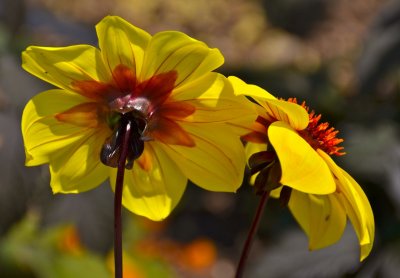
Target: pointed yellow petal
62, 66
121, 43
290, 113
152, 191
302, 168
72, 151
361, 217
242, 88
77, 167
274, 109
321, 217
175, 51
357, 206
216, 162
43, 134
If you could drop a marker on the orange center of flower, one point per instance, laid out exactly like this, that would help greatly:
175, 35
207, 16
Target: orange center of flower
320, 135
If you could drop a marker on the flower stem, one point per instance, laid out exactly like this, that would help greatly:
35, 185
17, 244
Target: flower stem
251, 234
118, 201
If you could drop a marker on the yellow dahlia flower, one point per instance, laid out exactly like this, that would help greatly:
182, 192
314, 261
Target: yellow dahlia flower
164, 86
290, 150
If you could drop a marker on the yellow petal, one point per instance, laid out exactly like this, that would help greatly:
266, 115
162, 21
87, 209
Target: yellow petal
155, 190
77, 167
171, 50
360, 215
216, 162
290, 113
122, 43
42, 133
302, 168
214, 101
274, 109
321, 217
357, 206
242, 88
61, 66
73, 152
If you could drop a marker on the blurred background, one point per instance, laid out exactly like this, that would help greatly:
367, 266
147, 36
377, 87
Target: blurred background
342, 57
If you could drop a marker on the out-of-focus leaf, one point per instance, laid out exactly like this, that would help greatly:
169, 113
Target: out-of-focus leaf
138, 266
27, 251
66, 266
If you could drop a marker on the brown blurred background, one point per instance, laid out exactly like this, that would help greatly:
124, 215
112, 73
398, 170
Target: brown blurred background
342, 57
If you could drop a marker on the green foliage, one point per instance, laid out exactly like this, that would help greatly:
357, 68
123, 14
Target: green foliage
28, 251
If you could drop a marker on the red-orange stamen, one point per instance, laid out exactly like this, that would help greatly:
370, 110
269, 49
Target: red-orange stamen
320, 135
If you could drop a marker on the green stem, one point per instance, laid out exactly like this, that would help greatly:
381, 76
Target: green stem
250, 237
118, 201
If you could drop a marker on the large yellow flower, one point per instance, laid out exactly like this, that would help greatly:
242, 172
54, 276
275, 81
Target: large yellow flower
164, 84
289, 147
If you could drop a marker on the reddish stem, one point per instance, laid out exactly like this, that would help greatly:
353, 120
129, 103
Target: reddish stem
118, 201
250, 237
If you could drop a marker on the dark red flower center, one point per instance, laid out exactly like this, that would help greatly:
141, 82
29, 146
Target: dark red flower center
146, 105
125, 93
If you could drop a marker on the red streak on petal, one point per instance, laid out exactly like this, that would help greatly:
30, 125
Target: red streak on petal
157, 89
176, 110
124, 79
163, 125
124, 88
169, 132
94, 90
123, 83
86, 115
